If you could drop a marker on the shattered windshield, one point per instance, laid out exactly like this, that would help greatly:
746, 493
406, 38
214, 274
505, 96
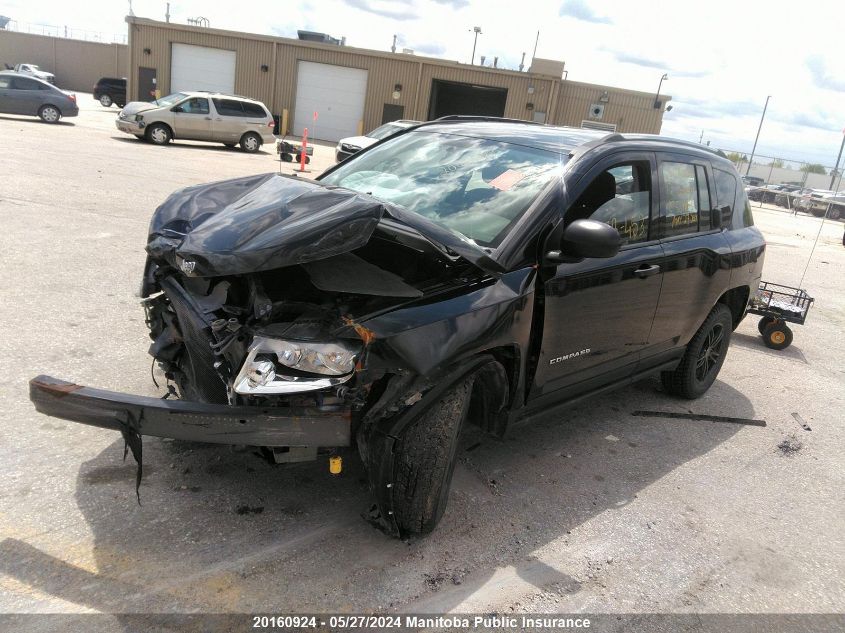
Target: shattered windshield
475, 187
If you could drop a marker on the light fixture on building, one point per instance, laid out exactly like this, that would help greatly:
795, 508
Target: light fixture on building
604, 98
529, 106
397, 91
264, 68
147, 51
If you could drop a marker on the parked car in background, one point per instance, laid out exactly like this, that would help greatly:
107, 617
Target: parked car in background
350, 145
831, 206
460, 271
752, 181
109, 90
802, 202
769, 193
35, 71
199, 116
24, 94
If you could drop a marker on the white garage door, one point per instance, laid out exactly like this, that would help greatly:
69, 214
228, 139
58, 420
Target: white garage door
201, 68
335, 93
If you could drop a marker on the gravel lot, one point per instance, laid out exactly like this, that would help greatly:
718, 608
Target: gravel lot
590, 510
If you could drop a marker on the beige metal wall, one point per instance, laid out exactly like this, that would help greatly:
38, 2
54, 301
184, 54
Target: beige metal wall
77, 64
564, 102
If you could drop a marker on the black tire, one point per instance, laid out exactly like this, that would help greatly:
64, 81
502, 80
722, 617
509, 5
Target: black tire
834, 213
704, 356
105, 101
250, 142
49, 114
159, 134
424, 460
777, 335
120, 105
763, 323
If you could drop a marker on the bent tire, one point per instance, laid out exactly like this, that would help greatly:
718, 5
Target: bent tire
250, 142
49, 114
159, 134
704, 356
424, 460
777, 335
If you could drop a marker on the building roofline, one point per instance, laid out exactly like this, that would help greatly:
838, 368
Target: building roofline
330, 47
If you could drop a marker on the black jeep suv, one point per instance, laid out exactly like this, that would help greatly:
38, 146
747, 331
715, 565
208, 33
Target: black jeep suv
464, 270
109, 90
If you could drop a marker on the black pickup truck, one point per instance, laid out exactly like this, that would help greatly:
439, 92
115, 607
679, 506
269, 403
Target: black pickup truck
465, 270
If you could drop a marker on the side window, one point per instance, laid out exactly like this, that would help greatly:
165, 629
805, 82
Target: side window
22, 83
253, 110
620, 197
195, 105
228, 107
679, 199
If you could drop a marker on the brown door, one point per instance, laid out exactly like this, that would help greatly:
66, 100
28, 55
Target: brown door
146, 84
392, 112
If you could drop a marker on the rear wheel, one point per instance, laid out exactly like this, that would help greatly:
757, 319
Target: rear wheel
834, 213
159, 134
250, 142
777, 335
424, 460
49, 114
105, 101
704, 356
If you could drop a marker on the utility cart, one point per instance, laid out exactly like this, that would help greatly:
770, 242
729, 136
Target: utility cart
288, 152
779, 305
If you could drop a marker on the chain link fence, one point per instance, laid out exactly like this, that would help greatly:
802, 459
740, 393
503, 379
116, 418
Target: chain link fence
64, 31
796, 185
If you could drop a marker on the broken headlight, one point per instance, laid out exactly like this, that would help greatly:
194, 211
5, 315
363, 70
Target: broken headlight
276, 366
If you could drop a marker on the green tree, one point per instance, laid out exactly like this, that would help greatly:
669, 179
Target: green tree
814, 168
736, 157
777, 163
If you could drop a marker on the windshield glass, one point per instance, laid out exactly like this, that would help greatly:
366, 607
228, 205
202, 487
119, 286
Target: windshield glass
384, 131
171, 99
475, 187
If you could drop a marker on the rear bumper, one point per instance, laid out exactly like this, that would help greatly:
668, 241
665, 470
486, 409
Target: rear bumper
191, 421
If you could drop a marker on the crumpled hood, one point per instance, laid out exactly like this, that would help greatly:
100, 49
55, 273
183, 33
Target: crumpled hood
134, 107
263, 222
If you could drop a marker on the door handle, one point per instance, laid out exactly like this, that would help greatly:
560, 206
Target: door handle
647, 271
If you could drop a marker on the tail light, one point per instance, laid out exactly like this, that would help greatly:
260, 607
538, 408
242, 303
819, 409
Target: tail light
271, 123
72, 97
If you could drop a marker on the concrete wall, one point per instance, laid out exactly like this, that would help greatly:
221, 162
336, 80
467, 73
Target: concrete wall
778, 175
564, 102
77, 64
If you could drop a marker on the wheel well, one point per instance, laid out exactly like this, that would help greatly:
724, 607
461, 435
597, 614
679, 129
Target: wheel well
736, 299
493, 391
253, 133
49, 105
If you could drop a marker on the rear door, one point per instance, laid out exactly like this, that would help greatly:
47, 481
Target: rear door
229, 122
598, 312
696, 265
7, 101
27, 95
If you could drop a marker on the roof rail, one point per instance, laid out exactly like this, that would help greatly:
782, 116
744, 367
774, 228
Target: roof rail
586, 147
677, 141
475, 117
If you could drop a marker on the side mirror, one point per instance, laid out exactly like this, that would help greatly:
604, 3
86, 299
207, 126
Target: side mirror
586, 239
721, 217
177, 109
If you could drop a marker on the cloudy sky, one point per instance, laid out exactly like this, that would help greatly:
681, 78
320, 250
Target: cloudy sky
723, 57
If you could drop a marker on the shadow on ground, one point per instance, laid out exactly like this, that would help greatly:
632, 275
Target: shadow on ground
221, 530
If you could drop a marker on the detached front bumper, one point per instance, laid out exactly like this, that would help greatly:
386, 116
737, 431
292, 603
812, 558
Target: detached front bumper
191, 421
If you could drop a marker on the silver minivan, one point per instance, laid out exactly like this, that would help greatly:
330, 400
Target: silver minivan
25, 94
199, 116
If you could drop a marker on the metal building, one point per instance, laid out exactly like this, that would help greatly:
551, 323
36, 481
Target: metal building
352, 90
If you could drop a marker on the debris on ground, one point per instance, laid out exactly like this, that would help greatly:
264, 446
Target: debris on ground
790, 445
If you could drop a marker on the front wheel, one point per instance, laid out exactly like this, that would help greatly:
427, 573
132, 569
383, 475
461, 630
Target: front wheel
424, 460
49, 114
105, 101
704, 356
250, 142
158, 134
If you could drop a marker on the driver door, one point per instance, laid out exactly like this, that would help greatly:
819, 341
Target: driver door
598, 313
192, 119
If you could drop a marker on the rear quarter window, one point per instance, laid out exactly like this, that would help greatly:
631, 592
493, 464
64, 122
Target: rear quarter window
228, 107
253, 110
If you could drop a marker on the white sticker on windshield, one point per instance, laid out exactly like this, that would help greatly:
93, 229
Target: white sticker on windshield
506, 180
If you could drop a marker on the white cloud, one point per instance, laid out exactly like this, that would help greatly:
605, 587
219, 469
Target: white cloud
723, 57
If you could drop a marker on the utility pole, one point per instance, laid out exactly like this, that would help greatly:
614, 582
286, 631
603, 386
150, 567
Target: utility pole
522, 62
536, 41
701, 137
759, 127
167, 13
393, 47
477, 30
657, 94
833, 174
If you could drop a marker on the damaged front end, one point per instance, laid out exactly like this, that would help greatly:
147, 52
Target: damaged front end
256, 293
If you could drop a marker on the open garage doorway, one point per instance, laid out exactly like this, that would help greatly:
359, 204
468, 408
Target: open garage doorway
450, 97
